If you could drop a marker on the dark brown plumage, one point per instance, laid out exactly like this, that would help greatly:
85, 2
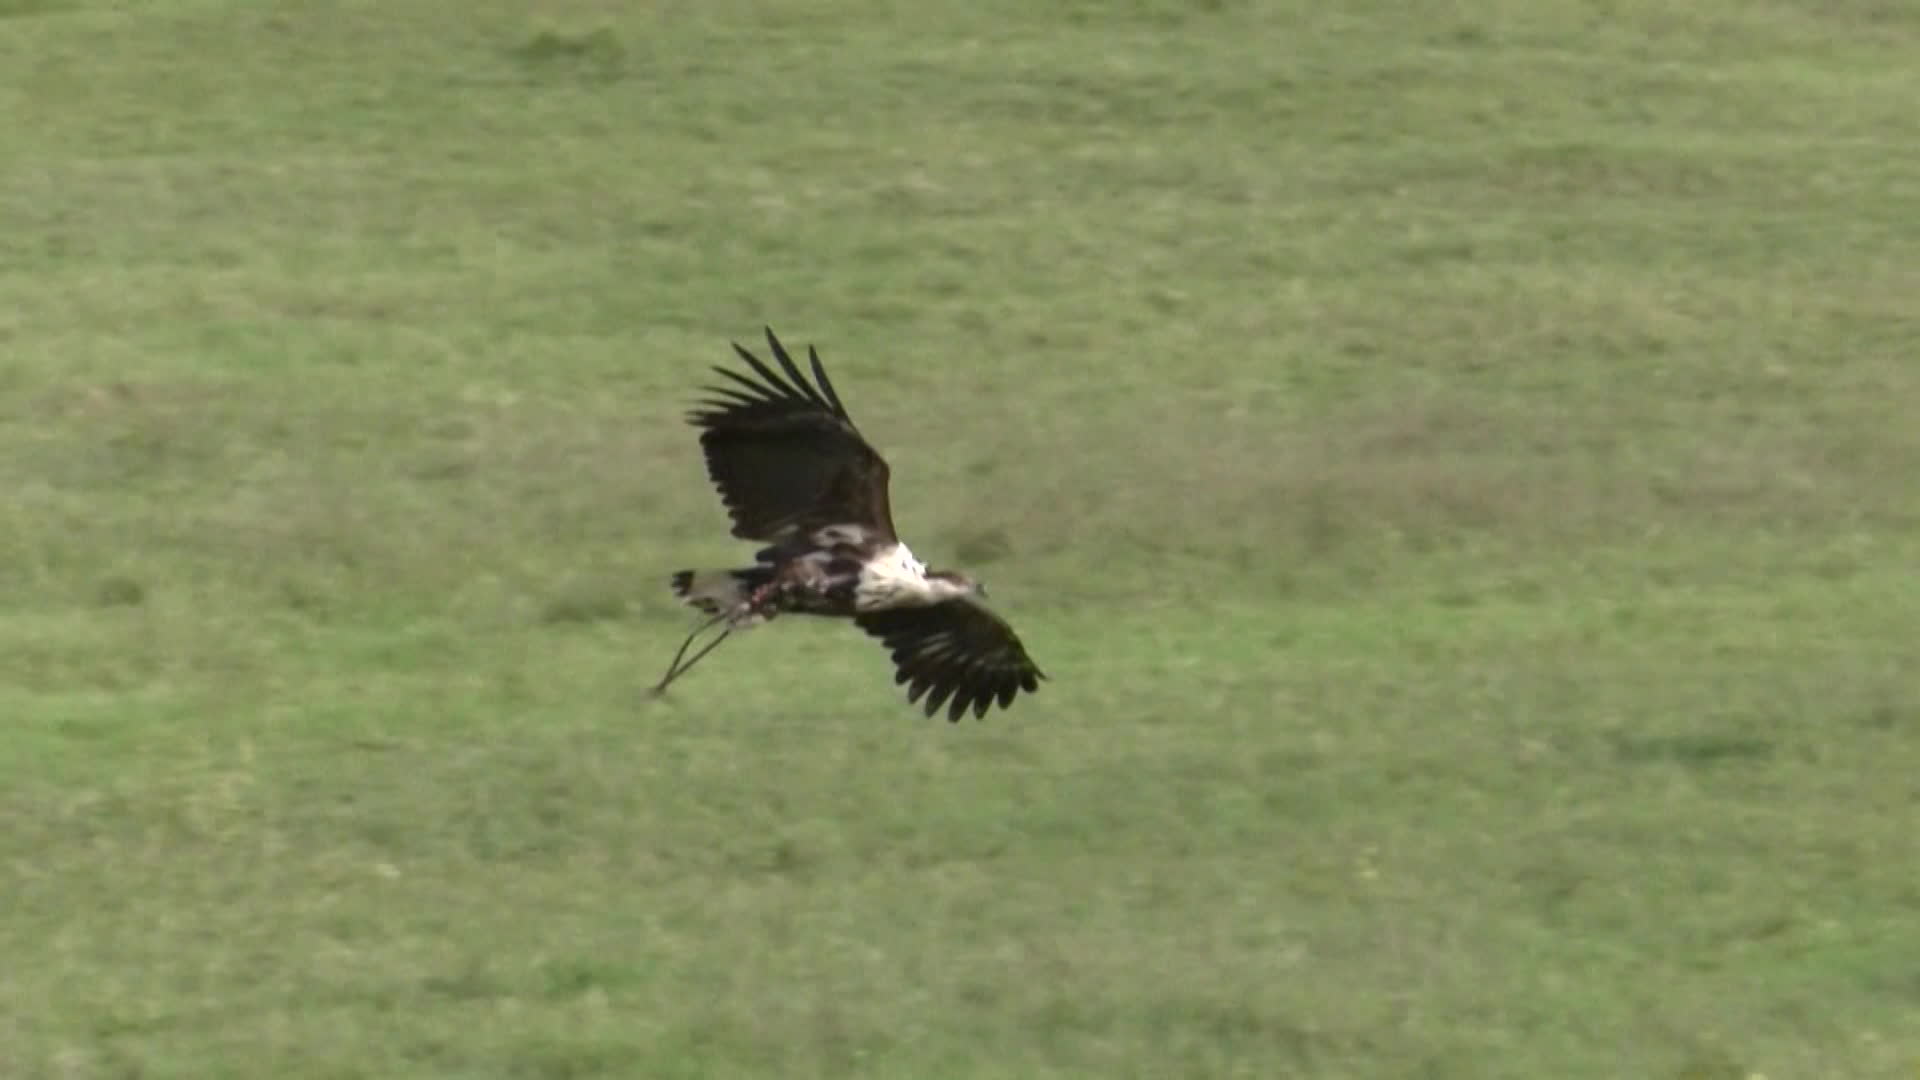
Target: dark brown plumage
958, 649
786, 456
795, 474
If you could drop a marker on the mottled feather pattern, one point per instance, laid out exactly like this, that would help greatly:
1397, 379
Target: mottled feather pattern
795, 474
715, 591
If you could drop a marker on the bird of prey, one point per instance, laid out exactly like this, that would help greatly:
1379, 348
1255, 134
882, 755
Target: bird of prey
797, 476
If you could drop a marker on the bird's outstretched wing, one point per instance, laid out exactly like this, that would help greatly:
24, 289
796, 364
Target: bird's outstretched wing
954, 650
784, 454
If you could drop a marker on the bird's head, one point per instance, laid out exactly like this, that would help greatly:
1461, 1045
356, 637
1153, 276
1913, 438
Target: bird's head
955, 583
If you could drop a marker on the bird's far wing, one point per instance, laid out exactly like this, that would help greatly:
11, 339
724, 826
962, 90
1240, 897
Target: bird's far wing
784, 454
956, 650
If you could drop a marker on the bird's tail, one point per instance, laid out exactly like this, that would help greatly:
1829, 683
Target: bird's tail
715, 591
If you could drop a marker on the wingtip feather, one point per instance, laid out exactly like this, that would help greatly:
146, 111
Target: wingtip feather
826, 384
798, 378
776, 386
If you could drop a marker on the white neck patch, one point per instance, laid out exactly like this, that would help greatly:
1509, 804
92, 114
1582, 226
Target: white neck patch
898, 561
893, 578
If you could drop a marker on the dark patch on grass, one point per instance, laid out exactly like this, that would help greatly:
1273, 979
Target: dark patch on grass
1241, 1024
1435, 252
1156, 13
473, 982
570, 1059
1712, 1067
119, 591
302, 597
1886, 716
584, 603
1904, 983
1768, 928
14, 9
575, 978
445, 470
983, 546
1698, 751
785, 857
1555, 884
594, 55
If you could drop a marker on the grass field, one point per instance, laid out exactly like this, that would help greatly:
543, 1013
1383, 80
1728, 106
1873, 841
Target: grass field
1459, 464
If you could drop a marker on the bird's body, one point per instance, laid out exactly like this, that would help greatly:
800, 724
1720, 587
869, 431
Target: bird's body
797, 475
835, 573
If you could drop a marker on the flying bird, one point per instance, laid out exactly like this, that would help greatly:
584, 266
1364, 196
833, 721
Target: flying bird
796, 474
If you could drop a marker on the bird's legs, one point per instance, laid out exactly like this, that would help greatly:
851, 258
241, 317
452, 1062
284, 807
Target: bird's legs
677, 669
757, 603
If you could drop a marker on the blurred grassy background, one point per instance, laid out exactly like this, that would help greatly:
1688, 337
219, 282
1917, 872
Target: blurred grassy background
1457, 463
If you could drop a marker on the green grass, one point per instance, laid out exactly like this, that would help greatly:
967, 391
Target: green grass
1459, 464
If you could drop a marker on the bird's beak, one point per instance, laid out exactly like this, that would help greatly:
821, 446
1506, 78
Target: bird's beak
981, 589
